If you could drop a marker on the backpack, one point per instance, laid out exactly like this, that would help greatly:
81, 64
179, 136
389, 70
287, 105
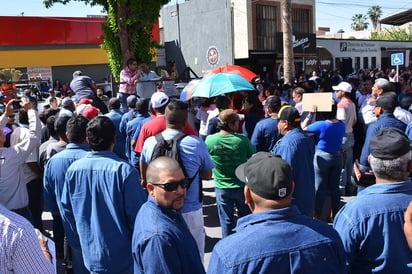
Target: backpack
170, 148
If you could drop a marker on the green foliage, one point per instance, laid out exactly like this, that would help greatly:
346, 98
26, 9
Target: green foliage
394, 34
375, 13
127, 31
359, 22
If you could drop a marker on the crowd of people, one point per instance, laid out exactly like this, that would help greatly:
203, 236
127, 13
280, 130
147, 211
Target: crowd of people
120, 206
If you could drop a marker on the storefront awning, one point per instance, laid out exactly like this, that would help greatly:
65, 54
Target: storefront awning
398, 19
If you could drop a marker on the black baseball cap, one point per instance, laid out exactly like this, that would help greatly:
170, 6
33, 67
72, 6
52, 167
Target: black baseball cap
290, 114
267, 175
389, 143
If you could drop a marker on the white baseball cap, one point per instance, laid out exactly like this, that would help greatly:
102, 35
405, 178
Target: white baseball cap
159, 99
345, 86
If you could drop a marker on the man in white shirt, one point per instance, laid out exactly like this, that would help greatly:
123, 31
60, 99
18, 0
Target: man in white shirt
146, 84
13, 190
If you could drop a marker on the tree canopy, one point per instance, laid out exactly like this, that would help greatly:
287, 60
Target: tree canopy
375, 13
359, 22
127, 30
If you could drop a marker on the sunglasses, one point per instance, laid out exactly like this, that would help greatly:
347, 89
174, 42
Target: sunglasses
172, 186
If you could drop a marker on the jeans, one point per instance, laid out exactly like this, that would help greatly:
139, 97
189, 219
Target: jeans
345, 184
328, 168
35, 191
227, 199
195, 223
123, 101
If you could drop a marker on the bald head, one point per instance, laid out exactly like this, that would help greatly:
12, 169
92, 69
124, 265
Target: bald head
159, 165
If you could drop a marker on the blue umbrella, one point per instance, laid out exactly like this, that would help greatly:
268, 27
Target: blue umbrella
221, 83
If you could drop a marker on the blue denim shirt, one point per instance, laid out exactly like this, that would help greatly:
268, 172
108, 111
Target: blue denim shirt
298, 150
266, 134
131, 128
100, 199
384, 120
279, 241
195, 158
371, 228
162, 242
53, 181
116, 116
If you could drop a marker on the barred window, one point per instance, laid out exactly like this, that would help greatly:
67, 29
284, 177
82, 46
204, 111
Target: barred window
266, 26
301, 20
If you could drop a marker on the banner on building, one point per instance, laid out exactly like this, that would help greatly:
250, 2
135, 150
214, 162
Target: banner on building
40, 73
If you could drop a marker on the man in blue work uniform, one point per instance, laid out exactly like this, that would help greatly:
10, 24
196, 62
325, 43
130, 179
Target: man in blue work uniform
100, 199
162, 242
298, 150
276, 238
370, 225
53, 182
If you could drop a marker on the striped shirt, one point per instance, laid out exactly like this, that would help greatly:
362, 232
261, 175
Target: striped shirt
20, 251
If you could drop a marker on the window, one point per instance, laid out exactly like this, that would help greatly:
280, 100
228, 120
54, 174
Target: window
357, 62
373, 62
365, 62
301, 20
266, 26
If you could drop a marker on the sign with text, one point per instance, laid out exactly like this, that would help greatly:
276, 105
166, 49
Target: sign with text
322, 100
44, 73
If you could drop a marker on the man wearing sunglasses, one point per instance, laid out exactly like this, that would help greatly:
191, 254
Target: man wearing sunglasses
162, 242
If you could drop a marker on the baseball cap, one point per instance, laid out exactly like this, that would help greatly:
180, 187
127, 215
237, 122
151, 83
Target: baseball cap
159, 99
85, 101
389, 143
267, 175
77, 73
387, 102
344, 86
90, 112
67, 102
290, 114
131, 101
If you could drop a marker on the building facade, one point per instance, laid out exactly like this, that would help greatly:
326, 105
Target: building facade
205, 34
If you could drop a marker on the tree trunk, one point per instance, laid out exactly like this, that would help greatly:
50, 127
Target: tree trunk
286, 10
126, 44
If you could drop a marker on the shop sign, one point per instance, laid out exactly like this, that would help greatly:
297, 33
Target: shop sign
357, 47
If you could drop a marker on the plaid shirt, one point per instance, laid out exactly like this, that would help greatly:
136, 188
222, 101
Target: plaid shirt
20, 251
128, 77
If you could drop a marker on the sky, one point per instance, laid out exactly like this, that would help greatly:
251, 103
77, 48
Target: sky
336, 14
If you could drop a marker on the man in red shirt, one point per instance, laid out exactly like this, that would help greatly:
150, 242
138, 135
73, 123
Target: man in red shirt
158, 101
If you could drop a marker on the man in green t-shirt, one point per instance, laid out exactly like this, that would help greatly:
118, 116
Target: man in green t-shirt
228, 150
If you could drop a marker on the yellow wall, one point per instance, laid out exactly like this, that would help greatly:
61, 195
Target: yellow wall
58, 57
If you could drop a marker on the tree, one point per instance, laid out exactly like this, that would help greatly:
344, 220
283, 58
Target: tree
375, 13
127, 30
286, 9
394, 34
359, 22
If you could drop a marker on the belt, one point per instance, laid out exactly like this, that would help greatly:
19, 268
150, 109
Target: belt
21, 210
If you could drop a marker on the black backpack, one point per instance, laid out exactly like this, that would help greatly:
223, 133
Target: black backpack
170, 148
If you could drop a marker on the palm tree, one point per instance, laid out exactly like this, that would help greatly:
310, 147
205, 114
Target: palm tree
375, 13
359, 22
288, 68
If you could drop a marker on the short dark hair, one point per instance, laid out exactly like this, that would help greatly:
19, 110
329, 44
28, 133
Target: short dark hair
60, 125
23, 117
176, 113
76, 129
50, 126
130, 61
100, 133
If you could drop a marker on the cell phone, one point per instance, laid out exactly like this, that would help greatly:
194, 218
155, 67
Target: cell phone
16, 104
